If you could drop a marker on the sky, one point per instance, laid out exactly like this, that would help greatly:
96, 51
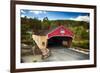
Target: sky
55, 15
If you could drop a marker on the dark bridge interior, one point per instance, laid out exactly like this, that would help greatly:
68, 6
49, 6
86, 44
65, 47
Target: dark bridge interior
58, 41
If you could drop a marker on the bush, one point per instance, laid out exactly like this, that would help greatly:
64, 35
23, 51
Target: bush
82, 44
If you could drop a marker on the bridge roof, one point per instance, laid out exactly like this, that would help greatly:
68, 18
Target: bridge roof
58, 31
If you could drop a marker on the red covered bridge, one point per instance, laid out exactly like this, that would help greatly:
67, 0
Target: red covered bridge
56, 36
59, 34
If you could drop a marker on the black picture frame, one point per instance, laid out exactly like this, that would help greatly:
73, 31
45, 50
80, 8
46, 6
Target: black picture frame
13, 35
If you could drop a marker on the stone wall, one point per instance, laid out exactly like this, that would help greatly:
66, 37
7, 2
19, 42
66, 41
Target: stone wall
41, 42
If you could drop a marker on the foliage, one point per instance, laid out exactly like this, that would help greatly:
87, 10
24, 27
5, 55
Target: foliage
83, 44
79, 28
35, 24
45, 24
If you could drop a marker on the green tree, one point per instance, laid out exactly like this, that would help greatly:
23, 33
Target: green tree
35, 24
27, 25
46, 23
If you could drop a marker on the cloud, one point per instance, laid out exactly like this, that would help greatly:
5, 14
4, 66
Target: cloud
81, 18
22, 11
22, 15
38, 12
28, 17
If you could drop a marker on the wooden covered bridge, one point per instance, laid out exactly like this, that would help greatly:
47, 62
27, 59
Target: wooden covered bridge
59, 35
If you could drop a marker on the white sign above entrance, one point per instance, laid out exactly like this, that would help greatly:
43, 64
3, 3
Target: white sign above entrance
62, 31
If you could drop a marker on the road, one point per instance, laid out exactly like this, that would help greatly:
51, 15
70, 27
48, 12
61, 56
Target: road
65, 54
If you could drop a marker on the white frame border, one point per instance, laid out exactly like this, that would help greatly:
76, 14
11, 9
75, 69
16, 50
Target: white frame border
52, 64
